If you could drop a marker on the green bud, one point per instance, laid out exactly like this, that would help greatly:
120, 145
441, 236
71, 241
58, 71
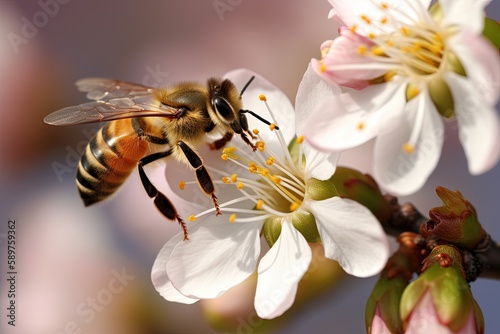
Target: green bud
319, 190
456, 221
440, 95
363, 189
443, 279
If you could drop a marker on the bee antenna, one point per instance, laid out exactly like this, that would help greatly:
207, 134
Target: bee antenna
263, 120
246, 85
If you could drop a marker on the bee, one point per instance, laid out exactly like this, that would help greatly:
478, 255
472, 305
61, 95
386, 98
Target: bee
145, 124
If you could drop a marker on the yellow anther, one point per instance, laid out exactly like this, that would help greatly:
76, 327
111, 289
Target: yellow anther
322, 67
377, 51
276, 179
182, 184
384, 20
405, 30
265, 172
234, 178
232, 218
300, 139
226, 180
366, 19
294, 206
412, 92
262, 97
224, 156
253, 168
389, 42
371, 35
272, 126
259, 204
255, 131
389, 75
383, 5
192, 218
260, 145
361, 125
270, 161
324, 52
408, 148
240, 185
361, 50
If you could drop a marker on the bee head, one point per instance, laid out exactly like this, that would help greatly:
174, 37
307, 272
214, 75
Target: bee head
226, 103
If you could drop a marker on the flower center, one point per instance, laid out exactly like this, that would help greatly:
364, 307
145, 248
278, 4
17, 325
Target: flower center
414, 44
272, 181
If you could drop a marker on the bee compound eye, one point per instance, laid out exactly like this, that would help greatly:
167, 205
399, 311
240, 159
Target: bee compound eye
223, 108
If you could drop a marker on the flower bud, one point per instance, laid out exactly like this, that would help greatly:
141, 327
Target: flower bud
455, 221
363, 189
440, 299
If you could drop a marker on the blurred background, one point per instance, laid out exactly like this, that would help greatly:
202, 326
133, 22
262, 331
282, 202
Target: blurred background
87, 270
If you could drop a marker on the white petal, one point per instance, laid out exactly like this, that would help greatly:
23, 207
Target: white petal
351, 235
478, 125
160, 278
481, 62
403, 173
280, 271
214, 259
354, 118
278, 101
319, 165
467, 14
349, 12
312, 93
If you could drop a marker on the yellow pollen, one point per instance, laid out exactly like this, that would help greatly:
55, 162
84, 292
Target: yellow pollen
259, 204
234, 178
377, 51
300, 139
192, 218
383, 5
371, 35
276, 179
226, 180
255, 131
232, 218
294, 206
260, 145
270, 161
366, 19
272, 126
384, 20
361, 50
353, 28
224, 156
361, 125
230, 149
262, 97
240, 185
408, 148
265, 172
182, 184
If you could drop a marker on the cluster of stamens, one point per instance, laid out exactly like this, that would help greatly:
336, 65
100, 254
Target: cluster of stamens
272, 183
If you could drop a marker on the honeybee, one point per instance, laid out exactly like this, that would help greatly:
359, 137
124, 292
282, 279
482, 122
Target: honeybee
147, 124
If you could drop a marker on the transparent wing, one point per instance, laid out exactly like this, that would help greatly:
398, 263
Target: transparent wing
106, 89
116, 108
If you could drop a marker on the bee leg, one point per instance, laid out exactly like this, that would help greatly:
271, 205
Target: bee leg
162, 203
204, 179
218, 144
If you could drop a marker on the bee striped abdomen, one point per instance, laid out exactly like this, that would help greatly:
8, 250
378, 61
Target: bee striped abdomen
109, 158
